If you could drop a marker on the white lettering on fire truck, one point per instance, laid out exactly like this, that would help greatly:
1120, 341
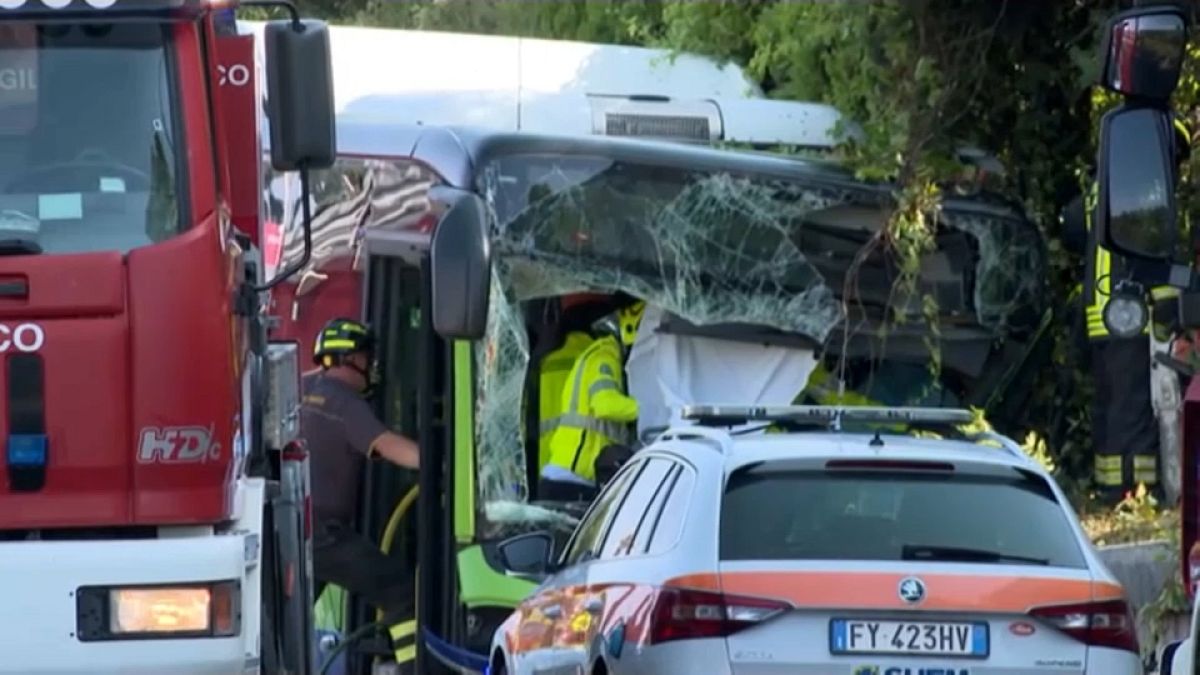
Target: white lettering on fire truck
177, 445
237, 75
18, 79
24, 337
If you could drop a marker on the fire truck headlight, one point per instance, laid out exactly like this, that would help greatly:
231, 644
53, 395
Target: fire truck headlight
161, 611
158, 610
1126, 315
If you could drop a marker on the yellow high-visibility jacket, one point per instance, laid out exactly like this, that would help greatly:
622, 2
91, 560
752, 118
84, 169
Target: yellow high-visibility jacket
596, 410
554, 372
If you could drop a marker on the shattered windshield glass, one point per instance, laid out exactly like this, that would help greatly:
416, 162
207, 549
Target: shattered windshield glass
700, 245
719, 247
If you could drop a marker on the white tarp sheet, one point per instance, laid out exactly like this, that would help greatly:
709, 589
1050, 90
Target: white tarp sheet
665, 372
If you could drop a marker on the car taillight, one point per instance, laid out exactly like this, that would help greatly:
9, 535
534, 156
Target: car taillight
1098, 624
684, 614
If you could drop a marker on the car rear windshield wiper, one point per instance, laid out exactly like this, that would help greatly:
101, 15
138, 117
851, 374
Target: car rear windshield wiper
916, 552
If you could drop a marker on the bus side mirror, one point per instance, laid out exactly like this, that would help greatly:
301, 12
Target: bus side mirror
1143, 52
300, 94
461, 260
1136, 208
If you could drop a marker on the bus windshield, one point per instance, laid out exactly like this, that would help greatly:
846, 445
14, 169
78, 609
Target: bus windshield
90, 156
767, 248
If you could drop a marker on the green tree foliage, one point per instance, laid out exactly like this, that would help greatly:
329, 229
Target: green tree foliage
920, 77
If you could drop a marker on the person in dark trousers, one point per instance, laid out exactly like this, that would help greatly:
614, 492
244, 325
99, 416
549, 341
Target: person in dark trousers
1124, 426
342, 432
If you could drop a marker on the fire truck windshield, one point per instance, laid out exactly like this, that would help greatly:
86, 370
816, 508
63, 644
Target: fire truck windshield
90, 147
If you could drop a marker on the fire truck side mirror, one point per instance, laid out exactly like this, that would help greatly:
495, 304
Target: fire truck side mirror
1143, 52
1135, 213
461, 260
300, 95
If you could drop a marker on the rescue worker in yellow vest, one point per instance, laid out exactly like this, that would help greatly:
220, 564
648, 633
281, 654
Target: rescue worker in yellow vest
596, 411
577, 313
1124, 428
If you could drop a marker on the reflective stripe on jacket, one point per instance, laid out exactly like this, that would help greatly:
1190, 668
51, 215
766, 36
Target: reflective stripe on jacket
596, 411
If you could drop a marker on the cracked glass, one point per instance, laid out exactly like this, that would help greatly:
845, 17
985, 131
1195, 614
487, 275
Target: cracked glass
769, 249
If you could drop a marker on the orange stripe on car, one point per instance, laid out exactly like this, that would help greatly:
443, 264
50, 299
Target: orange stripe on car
878, 590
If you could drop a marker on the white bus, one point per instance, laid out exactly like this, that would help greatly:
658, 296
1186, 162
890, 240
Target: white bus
559, 87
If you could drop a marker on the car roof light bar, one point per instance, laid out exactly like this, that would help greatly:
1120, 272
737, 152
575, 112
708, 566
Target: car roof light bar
820, 415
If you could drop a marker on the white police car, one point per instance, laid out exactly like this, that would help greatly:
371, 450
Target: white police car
820, 552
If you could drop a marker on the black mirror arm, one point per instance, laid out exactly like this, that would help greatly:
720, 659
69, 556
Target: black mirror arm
1152, 273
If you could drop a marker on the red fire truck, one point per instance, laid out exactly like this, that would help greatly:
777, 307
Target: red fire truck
153, 499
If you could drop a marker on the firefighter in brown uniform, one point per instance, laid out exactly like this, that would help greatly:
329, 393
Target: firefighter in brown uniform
342, 432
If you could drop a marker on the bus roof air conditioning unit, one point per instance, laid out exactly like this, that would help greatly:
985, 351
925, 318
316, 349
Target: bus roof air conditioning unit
656, 117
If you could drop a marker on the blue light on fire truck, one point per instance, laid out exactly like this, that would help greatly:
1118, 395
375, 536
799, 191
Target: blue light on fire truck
26, 451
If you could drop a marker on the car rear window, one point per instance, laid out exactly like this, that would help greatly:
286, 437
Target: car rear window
874, 515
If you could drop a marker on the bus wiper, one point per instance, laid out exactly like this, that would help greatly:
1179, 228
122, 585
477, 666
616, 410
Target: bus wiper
915, 552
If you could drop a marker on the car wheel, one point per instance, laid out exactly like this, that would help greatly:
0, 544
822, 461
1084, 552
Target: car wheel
599, 668
498, 666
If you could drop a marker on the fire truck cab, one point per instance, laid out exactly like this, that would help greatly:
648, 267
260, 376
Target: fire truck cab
153, 492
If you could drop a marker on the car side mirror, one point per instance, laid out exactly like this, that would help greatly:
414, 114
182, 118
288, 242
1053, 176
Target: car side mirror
1143, 52
461, 259
528, 554
300, 94
1135, 212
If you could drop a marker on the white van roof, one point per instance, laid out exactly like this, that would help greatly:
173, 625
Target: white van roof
557, 87
506, 71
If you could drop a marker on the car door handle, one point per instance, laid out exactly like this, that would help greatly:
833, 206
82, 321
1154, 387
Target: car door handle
593, 605
552, 611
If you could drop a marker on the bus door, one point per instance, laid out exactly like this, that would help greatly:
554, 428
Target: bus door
415, 367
